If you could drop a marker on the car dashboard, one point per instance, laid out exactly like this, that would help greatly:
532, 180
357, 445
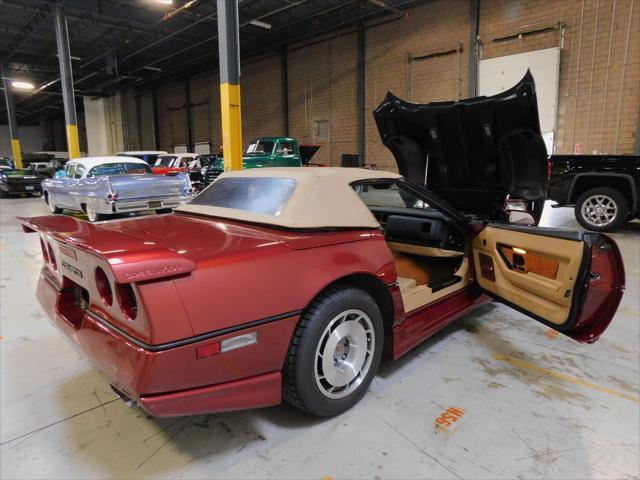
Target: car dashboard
423, 227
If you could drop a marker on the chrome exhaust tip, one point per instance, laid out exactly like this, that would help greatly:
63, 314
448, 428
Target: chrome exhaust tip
129, 402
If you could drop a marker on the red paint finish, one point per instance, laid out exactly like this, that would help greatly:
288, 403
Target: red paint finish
137, 371
425, 321
190, 276
254, 392
602, 295
165, 170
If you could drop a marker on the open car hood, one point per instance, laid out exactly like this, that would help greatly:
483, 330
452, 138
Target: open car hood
307, 152
472, 153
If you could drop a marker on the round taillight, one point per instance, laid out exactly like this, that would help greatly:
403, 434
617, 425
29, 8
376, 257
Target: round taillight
127, 300
52, 257
45, 254
104, 287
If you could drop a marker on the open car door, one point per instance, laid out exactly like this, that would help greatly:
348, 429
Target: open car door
571, 281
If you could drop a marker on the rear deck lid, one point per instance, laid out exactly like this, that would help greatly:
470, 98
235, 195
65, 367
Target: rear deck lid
473, 152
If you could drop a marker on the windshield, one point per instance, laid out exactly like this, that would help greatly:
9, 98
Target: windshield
165, 160
263, 195
260, 147
119, 169
18, 173
387, 194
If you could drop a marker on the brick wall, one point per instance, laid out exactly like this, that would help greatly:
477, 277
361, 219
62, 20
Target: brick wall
438, 26
585, 116
261, 90
323, 87
172, 116
323, 76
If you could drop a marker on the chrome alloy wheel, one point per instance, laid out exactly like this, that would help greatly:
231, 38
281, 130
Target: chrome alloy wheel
50, 204
599, 210
344, 353
92, 215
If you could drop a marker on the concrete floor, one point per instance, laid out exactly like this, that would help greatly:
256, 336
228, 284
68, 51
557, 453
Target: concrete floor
536, 405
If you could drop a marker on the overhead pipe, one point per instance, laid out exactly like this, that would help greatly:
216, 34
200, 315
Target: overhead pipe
624, 71
593, 67
284, 68
474, 27
361, 74
606, 78
575, 108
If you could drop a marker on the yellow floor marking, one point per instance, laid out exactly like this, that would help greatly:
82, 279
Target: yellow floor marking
552, 334
516, 362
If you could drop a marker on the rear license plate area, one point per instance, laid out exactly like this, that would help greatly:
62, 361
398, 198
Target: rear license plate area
155, 204
29, 187
73, 302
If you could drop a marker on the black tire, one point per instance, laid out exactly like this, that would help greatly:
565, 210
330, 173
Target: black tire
162, 211
301, 386
613, 199
3, 194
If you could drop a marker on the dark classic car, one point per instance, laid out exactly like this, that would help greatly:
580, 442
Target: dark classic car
603, 189
14, 182
336, 266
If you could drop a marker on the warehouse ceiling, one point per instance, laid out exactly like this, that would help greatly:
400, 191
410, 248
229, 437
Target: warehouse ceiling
136, 43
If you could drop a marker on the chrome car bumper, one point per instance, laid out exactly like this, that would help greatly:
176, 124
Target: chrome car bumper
141, 204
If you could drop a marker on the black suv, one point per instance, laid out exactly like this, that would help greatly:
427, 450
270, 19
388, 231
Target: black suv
603, 189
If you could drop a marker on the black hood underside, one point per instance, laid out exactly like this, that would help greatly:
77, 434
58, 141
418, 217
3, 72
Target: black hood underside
473, 153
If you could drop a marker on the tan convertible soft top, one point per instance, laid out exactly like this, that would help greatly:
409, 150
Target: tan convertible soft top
323, 198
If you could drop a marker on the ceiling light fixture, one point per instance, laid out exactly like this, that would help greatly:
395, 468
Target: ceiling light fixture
153, 69
165, 2
260, 24
22, 85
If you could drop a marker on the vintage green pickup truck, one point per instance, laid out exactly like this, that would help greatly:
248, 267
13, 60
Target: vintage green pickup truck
268, 152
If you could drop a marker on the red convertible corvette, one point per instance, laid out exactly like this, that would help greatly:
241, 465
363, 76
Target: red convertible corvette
292, 282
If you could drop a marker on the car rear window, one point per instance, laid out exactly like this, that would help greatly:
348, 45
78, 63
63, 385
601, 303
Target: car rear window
164, 160
264, 195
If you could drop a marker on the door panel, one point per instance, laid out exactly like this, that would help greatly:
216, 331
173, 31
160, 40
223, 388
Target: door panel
549, 275
549, 298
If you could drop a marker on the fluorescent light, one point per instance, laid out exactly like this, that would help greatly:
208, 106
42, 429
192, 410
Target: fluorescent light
153, 69
22, 85
258, 23
165, 2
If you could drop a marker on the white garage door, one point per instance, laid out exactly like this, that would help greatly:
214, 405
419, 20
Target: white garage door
498, 74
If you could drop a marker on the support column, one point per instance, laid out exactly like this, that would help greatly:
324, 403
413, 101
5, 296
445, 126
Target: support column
284, 66
66, 82
187, 96
11, 116
229, 55
474, 25
156, 118
361, 93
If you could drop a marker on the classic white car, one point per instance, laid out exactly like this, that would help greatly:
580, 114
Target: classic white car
101, 186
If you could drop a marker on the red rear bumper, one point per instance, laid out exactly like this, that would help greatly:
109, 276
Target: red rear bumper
174, 381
